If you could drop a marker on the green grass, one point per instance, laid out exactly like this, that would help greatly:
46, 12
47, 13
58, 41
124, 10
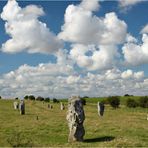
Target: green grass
123, 127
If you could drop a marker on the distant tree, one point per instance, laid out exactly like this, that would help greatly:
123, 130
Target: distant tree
31, 97
55, 100
126, 95
16, 98
85, 97
131, 103
83, 100
26, 97
143, 101
39, 98
114, 101
47, 99
0, 97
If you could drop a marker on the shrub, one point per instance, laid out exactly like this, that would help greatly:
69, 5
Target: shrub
31, 97
131, 103
126, 95
39, 98
26, 97
47, 99
0, 97
16, 98
55, 100
83, 101
143, 102
114, 101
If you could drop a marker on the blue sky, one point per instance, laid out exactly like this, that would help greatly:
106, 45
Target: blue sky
70, 45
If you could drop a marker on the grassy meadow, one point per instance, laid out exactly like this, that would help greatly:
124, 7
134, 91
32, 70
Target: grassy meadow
122, 127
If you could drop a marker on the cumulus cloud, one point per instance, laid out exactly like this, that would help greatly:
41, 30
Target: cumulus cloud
107, 30
100, 40
127, 4
90, 5
144, 29
26, 31
94, 58
136, 54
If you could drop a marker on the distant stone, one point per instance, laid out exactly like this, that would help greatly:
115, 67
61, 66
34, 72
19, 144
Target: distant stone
147, 116
16, 105
75, 118
101, 108
22, 107
37, 118
50, 106
62, 106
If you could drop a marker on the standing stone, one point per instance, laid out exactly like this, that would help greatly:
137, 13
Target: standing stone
62, 106
22, 107
16, 105
101, 108
50, 106
75, 118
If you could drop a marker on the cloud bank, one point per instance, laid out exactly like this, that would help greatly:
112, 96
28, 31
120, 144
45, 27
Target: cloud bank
99, 48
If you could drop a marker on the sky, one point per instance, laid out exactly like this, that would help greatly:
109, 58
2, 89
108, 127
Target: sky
64, 48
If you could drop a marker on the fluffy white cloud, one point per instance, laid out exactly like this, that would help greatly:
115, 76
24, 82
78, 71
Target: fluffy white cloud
26, 31
128, 3
93, 47
94, 58
90, 5
130, 38
136, 54
145, 29
78, 19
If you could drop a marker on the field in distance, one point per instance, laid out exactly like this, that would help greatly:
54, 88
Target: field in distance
41, 126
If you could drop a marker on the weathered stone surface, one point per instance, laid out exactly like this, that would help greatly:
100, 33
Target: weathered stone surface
62, 106
16, 105
22, 107
75, 118
101, 108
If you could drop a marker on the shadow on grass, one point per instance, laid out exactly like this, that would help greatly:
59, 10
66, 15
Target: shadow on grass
100, 139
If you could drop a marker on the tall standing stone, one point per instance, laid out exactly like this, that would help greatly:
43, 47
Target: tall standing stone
62, 106
16, 105
75, 118
101, 108
22, 107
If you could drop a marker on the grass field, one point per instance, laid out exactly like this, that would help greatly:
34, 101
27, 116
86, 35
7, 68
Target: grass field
123, 127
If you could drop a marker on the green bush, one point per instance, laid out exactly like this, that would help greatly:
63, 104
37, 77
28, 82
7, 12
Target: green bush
55, 100
143, 102
31, 97
39, 98
47, 99
131, 103
26, 97
114, 101
83, 101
